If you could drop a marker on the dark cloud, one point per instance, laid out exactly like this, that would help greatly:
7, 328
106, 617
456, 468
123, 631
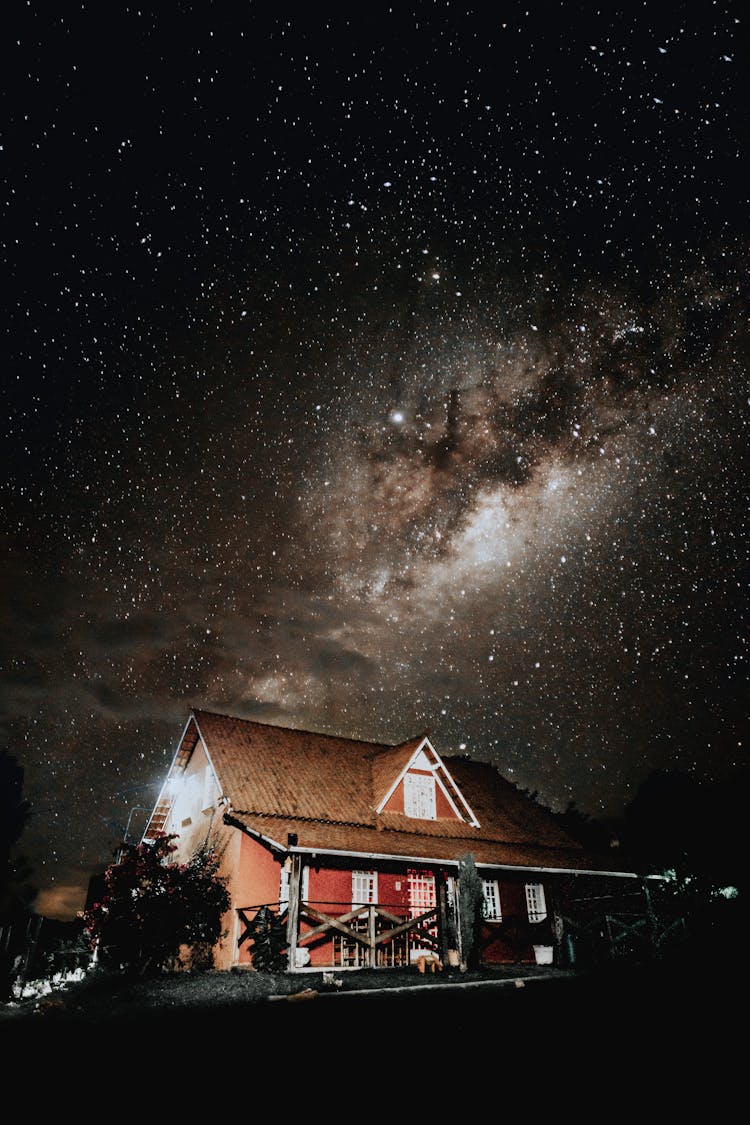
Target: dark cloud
137, 631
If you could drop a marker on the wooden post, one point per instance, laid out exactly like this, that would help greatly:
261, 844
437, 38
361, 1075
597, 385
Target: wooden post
457, 920
556, 920
442, 904
292, 923
371, 937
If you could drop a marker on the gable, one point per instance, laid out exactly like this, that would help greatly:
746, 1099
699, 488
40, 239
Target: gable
189, 794
424, 790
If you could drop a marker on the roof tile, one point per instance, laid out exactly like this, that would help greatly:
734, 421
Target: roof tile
326, 789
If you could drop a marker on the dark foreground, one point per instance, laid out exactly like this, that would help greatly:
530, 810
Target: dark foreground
672, 1032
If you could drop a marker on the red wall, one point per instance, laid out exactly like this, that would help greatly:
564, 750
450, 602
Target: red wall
257, 882
330, 891
495, 950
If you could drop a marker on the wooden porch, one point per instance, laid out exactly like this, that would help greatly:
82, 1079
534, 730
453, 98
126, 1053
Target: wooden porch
367, 936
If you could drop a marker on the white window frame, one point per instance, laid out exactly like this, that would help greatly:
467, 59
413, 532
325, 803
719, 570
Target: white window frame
419, 796
492, 909
422, 892
364, 888
536, 903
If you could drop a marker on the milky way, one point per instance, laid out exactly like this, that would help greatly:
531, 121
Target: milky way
373, 376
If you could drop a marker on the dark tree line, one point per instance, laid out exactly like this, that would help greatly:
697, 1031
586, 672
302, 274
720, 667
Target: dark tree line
690, 831
16, 891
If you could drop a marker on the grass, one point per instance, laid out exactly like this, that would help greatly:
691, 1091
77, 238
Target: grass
104, 996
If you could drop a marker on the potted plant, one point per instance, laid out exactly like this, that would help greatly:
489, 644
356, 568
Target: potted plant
542, 941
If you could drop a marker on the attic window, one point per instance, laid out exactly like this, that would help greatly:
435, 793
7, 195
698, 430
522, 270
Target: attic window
419, 796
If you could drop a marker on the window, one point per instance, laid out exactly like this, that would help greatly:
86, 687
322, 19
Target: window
536, 905
419, 796
364, 888
421, 892
491, 892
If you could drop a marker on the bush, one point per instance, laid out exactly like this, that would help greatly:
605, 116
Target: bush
268, 935
151, 908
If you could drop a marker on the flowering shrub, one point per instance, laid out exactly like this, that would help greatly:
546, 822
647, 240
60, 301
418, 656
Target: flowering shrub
152, 907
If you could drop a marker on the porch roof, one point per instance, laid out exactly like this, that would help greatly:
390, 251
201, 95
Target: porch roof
400, 845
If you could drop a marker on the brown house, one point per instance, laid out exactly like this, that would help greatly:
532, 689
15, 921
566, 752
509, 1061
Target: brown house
358, 846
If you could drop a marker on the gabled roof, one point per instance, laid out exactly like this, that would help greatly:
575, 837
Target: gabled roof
278, 771
327, 791
423, 757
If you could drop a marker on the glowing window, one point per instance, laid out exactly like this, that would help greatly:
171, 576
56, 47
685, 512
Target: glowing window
421, 892
419, 796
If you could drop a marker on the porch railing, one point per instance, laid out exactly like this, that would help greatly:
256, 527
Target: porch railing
621, 935
370, 935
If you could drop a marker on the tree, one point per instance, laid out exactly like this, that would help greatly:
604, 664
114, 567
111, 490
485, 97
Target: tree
16, 894
470, 910
152, 907
693, 834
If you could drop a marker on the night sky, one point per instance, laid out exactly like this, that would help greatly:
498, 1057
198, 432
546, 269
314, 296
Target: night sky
372, 373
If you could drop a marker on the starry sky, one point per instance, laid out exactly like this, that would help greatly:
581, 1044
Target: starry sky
374, 372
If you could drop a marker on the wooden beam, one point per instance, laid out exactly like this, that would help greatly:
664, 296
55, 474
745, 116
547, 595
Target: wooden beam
246, 932
329, 923
390, 917
442, 905
371, 940
371, 937
412, 924
292, 922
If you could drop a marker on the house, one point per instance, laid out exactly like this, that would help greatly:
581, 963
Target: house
357, 847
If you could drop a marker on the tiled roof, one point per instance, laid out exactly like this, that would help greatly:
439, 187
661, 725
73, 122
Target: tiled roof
385, 840
326, 789
278, 771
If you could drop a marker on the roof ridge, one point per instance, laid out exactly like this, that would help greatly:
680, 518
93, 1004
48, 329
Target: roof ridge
377, 746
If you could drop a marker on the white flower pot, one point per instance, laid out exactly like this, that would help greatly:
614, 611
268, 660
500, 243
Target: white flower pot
543, 954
